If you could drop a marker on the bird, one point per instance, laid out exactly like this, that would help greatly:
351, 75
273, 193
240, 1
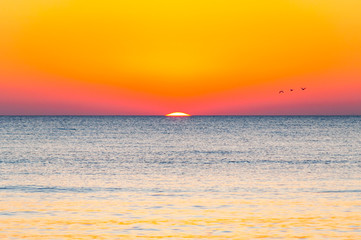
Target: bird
291, 90
303, 88
281, 92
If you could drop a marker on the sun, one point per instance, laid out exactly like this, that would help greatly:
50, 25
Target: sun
178, 114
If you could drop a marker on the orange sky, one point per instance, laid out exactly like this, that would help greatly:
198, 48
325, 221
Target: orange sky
199, 57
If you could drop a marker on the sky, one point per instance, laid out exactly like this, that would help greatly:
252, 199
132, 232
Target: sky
205, 57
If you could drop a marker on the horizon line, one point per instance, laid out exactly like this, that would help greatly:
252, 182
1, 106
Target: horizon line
159, 115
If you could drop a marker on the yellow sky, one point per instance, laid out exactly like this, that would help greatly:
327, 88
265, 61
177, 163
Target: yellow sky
177, 53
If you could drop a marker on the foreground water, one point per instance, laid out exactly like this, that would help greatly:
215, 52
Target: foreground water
180, 178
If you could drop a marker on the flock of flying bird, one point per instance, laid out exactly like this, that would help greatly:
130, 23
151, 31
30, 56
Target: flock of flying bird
291, 90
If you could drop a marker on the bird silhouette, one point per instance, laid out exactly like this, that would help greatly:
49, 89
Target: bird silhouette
281, 92
291, 90
303, 88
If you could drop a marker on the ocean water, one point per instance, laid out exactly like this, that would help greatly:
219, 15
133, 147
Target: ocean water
221, 177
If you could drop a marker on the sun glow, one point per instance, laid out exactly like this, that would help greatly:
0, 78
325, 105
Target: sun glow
178, 114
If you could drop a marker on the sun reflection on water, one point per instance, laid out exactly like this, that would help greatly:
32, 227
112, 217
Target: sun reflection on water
180, 218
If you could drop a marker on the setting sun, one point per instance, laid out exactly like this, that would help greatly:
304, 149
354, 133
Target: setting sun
178, 114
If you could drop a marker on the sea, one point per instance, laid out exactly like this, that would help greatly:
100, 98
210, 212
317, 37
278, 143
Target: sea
198, 177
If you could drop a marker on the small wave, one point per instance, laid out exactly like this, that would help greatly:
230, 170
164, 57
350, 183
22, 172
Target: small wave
342, 191
57, 189
67, 129
46, 189
238, 161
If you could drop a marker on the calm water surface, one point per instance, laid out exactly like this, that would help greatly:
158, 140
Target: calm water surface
180, 178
